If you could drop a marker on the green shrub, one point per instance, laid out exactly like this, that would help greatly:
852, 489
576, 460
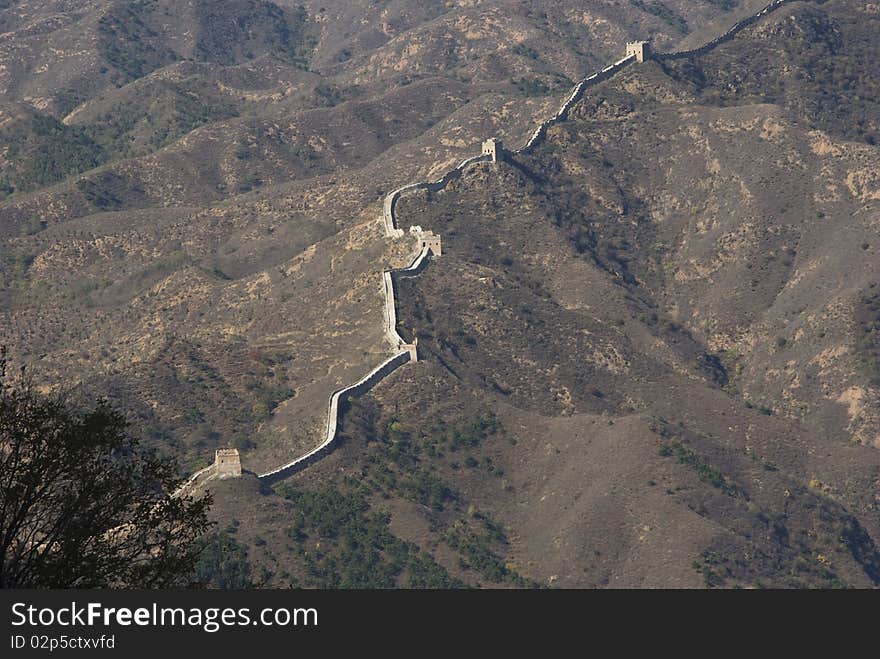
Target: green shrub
223, 563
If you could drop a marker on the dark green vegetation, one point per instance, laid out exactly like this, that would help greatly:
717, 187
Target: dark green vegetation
685, 222
557, 84
223, 563
705, 473
343, 545
389, 520
822, 67
132, 39
228, 33
158, 115
39, 150
409, 462
236, 30
129, 44
801, 535
219, 412
103, 191
83, 505
725, 5
868, 333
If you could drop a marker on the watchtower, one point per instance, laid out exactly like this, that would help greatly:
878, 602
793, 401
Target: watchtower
413, 349
641, 49
493, 147
427, 239
227, 463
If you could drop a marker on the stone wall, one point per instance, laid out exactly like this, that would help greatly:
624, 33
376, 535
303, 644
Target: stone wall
727, 36
574, 96
404, 353
392, 197
388, 277
336, 399
227, 464
199, 478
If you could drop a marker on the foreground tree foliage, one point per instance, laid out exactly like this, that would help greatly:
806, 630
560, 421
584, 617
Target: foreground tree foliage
82, 505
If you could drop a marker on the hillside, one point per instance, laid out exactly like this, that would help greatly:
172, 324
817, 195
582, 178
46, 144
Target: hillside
648, 354
201, 301
641, 364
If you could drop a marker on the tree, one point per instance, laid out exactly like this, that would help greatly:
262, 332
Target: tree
82, 505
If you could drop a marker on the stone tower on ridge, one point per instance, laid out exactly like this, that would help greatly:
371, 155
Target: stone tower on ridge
641, 49
493, 147
427, 239
227, 463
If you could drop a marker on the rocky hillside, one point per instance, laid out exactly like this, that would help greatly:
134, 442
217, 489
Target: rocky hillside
648, 354
647, 351
188, 191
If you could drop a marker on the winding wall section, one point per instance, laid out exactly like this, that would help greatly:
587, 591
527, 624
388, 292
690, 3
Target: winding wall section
404, 352
727, 36
433, 186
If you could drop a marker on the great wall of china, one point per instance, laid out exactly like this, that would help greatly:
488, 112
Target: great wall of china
227, 462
